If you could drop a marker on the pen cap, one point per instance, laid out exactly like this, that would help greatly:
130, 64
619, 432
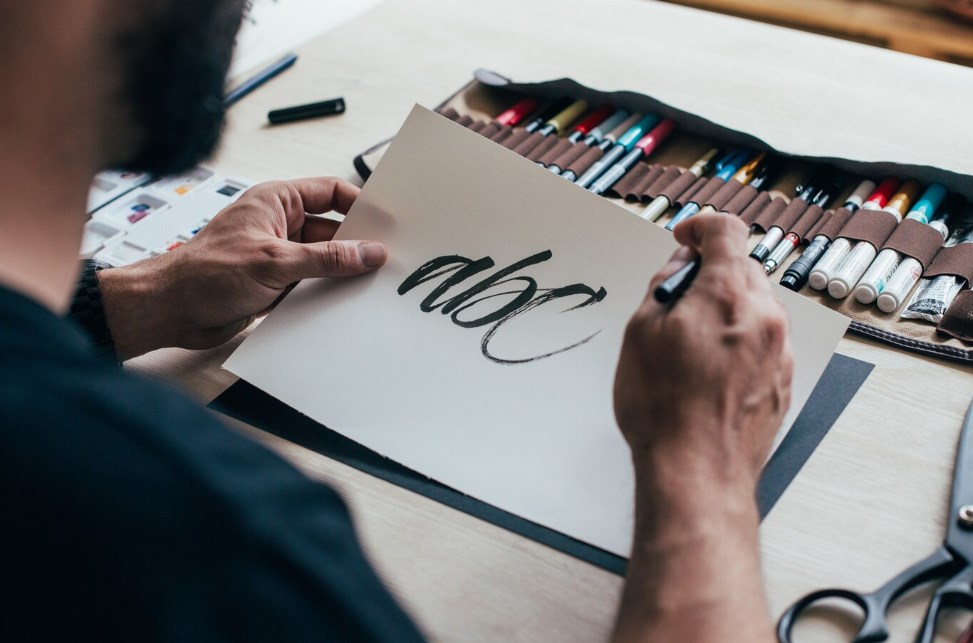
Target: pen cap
629, 138
568, 115
730, 164
928, 203
659, 133
603, 129
862, 192
899, 204
703, 163
623, 127
746, 172
593, 119
517, 113
882, 193
948, 214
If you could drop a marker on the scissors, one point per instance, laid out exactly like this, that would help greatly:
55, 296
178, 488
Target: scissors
952, 564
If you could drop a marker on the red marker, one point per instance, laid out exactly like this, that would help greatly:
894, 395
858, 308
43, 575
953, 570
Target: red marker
659, 133
880, 197
591, 121
517, 113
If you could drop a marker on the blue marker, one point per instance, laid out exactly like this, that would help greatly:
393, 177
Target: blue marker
726, 168
623, 146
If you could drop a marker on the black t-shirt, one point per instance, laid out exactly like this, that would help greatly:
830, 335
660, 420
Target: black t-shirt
130, 514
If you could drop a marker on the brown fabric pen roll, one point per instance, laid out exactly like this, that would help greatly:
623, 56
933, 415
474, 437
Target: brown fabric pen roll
723, 196
873, 226
790, 215
515, 138
832, 228
533, 140
705, 193
490, 129
450, 113
820, 224
755, 208
580, 165
542, 148
955, 260
682, 186
743, 198
626, 185
642, 189
555, 152
465, 120
571, 155
769, 215
477, 126
806, 221
917, 240
958, 319
662, 183
503, 134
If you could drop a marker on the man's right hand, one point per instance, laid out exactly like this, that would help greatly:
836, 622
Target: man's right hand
706, 381
700, 391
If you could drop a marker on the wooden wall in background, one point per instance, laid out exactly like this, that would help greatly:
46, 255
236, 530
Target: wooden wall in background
912, 26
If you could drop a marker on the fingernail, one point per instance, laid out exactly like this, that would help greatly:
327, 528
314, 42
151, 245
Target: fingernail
372, 254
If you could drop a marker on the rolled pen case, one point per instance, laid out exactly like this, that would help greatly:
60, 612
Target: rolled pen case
311, 110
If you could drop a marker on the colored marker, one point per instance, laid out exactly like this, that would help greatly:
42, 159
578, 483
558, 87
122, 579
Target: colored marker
661, 203
828, 266
560, 121
804, 192
872, 283
518, 112
863, 253
624, 145
755, 173
609, 140
910, 270
591, 121
790, 242
258, 79
798, 272
725, 170
304, 112
600, 133
548, 113
644, 148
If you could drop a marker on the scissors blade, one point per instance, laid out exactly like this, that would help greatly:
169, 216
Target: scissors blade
959, 536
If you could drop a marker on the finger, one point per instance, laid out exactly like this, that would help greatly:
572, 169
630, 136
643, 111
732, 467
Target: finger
317, 229
329, 259
314, 196
720, 240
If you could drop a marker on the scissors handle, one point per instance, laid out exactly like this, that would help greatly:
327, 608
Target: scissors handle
955, 592
874, 628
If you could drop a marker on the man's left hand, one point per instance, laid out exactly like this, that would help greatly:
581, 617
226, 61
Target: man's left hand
205, 292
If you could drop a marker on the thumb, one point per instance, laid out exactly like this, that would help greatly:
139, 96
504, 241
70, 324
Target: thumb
720, 239
331, 259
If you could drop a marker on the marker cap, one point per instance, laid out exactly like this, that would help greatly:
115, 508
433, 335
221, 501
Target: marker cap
623, 127
862, 192
603, 129
517, 113
882, 193
568, 115
928, 203
593, 119
887, 302
629, 138
899, 204
659, 133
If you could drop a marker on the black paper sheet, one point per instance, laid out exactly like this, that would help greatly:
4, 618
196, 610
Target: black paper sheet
837, 386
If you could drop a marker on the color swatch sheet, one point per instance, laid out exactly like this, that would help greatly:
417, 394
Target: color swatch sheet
482, 355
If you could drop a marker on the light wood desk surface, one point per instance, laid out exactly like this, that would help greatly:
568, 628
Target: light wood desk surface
870, 501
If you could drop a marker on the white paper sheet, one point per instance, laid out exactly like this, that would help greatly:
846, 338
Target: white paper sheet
537, 439
271, 28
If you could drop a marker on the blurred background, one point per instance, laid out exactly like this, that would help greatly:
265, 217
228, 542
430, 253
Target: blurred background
940, 29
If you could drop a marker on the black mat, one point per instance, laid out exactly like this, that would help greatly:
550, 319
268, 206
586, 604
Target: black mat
838, 385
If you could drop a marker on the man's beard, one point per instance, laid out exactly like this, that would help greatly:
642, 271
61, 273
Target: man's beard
174, 75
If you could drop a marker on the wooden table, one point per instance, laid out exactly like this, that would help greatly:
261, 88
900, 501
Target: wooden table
870, 500
911, 26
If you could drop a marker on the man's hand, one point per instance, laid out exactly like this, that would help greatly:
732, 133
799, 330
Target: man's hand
205, 292
700, 391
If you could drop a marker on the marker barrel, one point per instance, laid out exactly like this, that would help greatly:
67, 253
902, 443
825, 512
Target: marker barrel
851, 270
770, 241
601, 166
656, 209
825, 269
616, 172
687, 211
798, 272
899, 284
781, 252
873, 281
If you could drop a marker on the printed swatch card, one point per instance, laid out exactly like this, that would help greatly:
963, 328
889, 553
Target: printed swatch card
483, 353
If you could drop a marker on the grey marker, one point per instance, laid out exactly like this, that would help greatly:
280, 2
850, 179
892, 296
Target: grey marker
601, 166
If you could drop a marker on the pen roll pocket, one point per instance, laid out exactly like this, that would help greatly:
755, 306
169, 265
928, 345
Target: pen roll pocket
808, 220
917, 240
871, 226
